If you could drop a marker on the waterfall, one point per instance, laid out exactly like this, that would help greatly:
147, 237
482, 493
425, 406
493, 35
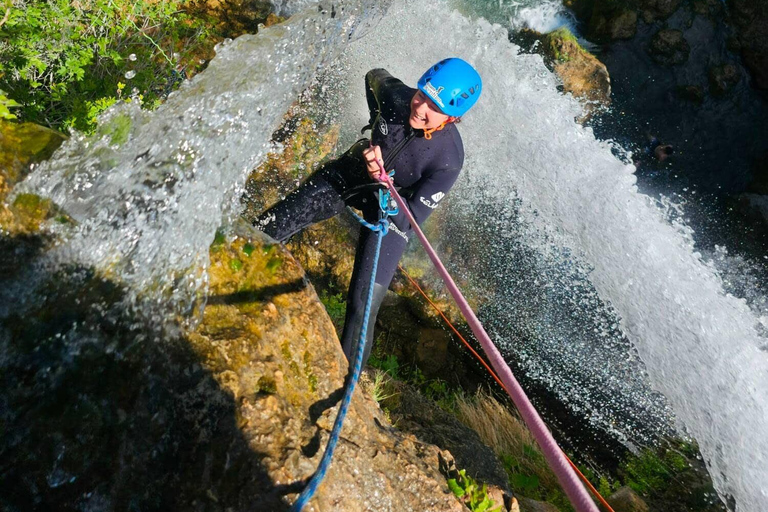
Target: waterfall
537, 183
566, 231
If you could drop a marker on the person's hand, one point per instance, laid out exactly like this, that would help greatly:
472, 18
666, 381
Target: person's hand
373, 161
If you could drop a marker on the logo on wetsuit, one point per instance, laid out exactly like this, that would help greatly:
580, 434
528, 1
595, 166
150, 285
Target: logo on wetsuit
435, 199
383, 126
434, 93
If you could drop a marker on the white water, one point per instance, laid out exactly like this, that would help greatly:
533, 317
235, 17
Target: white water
698, 343
150, 207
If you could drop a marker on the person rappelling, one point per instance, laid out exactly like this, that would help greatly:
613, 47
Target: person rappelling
414, 135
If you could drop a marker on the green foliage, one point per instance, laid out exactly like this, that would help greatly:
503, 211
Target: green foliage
389, 365
336, 307
5, 104
64, 61
651, 472
473, 495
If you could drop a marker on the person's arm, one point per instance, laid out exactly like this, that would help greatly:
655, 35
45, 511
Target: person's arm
378, 82
426, 195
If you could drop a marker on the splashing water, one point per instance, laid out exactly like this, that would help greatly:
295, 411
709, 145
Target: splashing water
698, 343
150, 190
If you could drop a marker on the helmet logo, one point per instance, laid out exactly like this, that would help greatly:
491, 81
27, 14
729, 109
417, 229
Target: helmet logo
383, 128
434, 93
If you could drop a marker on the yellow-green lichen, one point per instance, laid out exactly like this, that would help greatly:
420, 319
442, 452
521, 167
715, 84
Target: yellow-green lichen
117, 129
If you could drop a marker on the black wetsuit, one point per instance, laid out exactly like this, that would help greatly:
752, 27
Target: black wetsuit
424, 172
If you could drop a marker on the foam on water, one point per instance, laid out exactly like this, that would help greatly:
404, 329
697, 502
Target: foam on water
698, 343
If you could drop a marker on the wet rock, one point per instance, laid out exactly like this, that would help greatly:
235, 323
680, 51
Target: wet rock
582, 74
621, 24
668, 47
692, 93
606, 20
708, 8
750, 18
723, 78
627, 500
658, 9
22, 145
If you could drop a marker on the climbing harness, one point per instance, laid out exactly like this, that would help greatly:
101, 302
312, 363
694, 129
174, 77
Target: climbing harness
584, 479
380, 228
552, 452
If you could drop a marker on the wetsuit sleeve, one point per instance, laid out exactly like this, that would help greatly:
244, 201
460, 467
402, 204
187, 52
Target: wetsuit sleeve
378, 85
425, 196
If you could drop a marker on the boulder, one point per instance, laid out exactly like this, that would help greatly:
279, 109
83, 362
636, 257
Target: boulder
668, 47
750, 19
612, 25
653, 10
583, 75
723, 78
627, 500
606, 20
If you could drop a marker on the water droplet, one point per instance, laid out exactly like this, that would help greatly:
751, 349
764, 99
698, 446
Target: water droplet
132, 57
130, 74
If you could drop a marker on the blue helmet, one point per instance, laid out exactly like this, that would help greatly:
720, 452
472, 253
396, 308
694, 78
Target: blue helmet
453, 85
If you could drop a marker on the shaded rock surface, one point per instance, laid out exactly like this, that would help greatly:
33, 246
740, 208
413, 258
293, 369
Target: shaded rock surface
103, 412
421, 417
750, 17
627, 500
606, 20
669, 47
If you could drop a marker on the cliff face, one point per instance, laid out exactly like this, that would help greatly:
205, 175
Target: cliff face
102, 412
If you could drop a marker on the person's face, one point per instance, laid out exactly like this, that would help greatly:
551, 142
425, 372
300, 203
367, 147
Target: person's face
424, 113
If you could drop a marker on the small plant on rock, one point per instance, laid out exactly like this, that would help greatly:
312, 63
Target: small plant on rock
474, 495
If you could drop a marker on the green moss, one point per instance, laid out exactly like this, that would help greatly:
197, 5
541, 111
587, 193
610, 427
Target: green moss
274, 264
248, 249
311, 378
218, 240
235, 265
117, 129
285, 350
266, 385
561, 44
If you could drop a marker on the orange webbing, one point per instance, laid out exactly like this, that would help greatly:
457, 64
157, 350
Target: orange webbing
428, 132
496, 378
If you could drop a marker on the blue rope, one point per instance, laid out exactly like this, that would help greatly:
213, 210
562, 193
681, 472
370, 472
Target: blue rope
380, 229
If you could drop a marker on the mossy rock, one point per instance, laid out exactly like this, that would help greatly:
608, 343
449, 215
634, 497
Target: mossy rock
582, 74
22, 145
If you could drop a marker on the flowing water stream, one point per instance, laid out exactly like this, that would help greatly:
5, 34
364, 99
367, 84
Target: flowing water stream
597, 291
